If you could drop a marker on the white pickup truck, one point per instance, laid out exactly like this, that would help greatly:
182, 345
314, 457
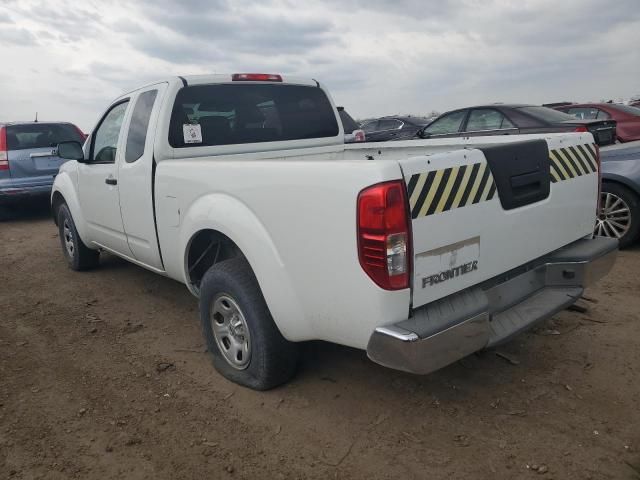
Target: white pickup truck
421, 252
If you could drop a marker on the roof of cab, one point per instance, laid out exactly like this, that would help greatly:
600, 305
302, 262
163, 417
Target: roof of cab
227, 78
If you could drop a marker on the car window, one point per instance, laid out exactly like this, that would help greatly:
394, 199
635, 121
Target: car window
584, 113
602, 115
370, 126
137, 135
225, 114
449, 123
487, 119
348, 123
41, 135
389, 124
105, 138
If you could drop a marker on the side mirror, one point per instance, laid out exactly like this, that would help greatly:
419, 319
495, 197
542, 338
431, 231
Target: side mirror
71, 151
423, 134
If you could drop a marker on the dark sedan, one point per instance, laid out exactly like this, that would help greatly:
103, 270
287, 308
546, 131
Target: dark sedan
501, 119
393, 128
626, 117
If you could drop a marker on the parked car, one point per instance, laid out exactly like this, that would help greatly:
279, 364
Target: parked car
352, 131
393, 128
619, 215
501, 119
286, 236
627, 117
29, 159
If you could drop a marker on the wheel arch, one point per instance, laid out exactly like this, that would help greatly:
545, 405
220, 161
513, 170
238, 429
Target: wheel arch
64, 191
220, 221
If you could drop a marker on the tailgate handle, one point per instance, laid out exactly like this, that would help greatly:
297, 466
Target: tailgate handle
525, 184
111, 181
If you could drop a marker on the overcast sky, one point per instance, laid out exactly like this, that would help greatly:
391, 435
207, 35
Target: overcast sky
68, 59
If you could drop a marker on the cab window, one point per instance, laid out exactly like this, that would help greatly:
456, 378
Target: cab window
137, 135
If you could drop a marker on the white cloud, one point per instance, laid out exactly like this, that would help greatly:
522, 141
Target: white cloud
377, 57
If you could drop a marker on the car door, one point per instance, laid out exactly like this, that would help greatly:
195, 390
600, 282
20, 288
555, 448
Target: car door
389, 128
488, 121
98, 182
445, 126
135, 176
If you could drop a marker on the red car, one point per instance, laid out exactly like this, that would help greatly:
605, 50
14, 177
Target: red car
628, 117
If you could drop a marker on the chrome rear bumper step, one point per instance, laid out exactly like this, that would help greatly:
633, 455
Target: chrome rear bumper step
492, 313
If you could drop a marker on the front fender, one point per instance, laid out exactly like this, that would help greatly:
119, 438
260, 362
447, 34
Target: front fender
66, 184
231, 217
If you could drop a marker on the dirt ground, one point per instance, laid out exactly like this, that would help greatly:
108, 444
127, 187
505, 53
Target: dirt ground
103, 375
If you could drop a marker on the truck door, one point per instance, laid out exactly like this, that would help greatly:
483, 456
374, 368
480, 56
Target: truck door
135, 176
98, 182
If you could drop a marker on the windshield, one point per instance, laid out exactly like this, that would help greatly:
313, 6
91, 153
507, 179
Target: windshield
41, 135
224, 114
547, 114
627, 109
348, 123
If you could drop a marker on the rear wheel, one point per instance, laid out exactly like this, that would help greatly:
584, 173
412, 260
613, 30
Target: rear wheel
245, 345
619, 215
77, 254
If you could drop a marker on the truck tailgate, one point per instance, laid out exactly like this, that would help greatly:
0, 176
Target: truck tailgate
481, 212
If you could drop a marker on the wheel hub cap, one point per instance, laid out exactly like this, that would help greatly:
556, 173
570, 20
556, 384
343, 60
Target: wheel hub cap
68, 238
230, 331
614, 218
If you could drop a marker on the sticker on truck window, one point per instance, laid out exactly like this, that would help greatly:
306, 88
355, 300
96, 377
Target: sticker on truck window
192, 133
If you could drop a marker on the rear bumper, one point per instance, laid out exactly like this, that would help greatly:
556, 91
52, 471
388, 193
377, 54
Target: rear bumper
492, 313
16, 190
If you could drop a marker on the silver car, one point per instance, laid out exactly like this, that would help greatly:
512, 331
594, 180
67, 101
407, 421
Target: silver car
29, 159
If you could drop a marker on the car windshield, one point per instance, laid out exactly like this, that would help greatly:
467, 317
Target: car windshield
226, 114
547, 114
41, 135
627, 109
348, 123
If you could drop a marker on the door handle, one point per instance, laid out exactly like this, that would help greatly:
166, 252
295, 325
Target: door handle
111, 181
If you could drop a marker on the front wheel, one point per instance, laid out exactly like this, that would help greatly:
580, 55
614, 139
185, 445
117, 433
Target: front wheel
619, 215
77, 254
244, 342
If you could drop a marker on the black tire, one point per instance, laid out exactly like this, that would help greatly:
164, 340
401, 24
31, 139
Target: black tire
272, 360
79, 256
632, 202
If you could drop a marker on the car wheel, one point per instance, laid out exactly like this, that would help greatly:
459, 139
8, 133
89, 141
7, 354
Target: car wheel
619, 216
77, 254
244, 342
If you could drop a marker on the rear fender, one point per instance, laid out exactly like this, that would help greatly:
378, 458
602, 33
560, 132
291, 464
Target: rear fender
234, 219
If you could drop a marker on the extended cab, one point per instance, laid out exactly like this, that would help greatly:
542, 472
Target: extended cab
421, 252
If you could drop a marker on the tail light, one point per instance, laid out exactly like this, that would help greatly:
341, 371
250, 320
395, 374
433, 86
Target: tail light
359, 136
581, 129
256, 77
4, 155
384, 247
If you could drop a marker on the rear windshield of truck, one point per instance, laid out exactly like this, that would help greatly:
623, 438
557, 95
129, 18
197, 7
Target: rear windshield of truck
206, 115
41, 135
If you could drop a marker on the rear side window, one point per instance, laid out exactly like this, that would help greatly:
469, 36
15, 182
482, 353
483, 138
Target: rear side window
206, 115
41, 135
487, 119
139, 125
389, 124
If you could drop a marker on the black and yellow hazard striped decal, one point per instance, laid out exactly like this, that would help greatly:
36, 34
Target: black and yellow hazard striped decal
438, 191
571, 162
442, 190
